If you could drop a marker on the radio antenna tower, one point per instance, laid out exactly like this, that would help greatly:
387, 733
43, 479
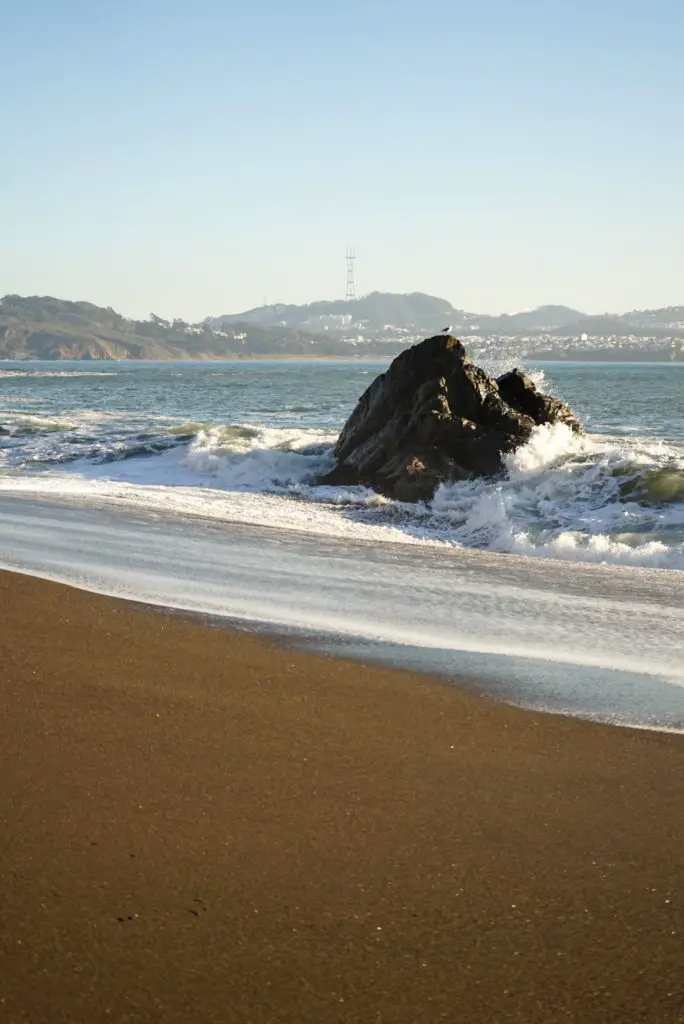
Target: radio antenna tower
350, 257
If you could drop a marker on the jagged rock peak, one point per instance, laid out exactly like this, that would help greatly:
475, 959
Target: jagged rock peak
435, 417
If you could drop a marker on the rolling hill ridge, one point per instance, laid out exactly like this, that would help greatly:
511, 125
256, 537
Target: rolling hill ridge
376, 325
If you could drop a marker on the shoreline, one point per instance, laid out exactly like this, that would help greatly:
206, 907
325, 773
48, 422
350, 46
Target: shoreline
225, 572
545, 360
233, 358
425, 662
202, 825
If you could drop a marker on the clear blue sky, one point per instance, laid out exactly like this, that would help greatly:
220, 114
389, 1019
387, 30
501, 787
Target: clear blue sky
194, 158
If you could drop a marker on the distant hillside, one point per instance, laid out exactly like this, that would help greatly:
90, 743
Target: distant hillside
42, 327
418, 315
666, 318
616, 326
595, 326
415, 311
376, 326
545, 318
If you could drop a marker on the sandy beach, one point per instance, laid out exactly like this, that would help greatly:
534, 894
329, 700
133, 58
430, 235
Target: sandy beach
200, 825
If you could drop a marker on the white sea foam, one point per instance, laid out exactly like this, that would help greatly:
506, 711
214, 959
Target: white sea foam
563, 496
138, 504
546, 634
547, 446
20, 420
569, 497
249, 458
73, 419
57, 373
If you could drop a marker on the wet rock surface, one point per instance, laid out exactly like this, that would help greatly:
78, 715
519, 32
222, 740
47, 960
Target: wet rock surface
433, 417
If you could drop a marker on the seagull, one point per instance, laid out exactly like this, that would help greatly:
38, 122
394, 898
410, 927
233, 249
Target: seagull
448, 330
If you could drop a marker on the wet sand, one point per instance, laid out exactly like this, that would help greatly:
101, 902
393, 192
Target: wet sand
199, 825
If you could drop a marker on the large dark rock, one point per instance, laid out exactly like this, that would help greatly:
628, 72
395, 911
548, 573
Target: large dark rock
433, 417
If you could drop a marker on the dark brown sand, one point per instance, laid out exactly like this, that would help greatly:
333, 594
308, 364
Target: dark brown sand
198, 825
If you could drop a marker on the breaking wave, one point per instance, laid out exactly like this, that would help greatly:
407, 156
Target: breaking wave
57, 373
593, 498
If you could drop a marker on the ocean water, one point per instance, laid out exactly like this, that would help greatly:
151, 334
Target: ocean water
213, 466
246, 441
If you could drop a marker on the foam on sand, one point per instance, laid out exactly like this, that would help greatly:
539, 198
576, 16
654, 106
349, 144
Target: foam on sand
599, 641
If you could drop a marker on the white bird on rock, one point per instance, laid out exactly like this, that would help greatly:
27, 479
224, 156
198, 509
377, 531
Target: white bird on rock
447, 330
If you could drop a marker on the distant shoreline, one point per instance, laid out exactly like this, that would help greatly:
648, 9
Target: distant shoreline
602, 358
377, 326
222, 359
585, 357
